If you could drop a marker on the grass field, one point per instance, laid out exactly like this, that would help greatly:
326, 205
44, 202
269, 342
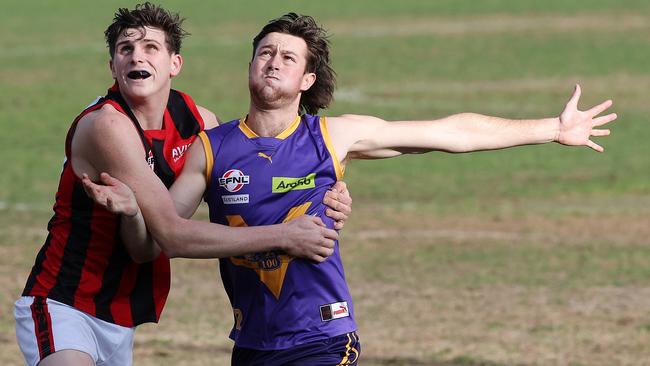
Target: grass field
528, 256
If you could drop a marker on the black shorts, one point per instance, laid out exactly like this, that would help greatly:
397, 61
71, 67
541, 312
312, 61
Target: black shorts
341, 350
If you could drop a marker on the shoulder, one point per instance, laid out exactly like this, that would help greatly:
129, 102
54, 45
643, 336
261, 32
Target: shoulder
351, 124
223, 128
210, 120
104, 123
353, 118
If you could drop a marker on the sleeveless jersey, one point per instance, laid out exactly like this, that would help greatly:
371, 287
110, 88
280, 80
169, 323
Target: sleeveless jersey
83, 262
278, 301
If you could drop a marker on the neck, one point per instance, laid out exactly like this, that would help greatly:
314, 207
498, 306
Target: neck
270, 122
149, 110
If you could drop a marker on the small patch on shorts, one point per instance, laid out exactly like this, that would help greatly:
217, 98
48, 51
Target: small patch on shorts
334, 311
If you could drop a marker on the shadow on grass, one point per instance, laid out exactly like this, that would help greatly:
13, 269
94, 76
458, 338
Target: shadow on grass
164, 349
406, 361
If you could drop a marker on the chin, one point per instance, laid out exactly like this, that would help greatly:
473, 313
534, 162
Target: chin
137, 92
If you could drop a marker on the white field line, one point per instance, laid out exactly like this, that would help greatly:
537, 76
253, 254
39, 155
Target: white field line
390, 27
490, 24
23, 206
612, 82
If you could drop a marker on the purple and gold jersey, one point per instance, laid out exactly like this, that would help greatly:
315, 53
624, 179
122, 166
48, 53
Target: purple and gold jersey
278, 301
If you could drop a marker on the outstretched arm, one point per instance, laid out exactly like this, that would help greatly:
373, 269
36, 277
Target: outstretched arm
366, 137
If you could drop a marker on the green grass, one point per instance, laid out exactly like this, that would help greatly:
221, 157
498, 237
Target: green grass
496, 263
448, 256
62, 68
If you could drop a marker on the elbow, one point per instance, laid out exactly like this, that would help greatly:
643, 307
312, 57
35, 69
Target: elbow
169, 246
144, 258
166, 237
139, 260
142, 253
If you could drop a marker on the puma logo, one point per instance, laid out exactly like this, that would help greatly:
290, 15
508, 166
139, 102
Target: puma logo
263, 155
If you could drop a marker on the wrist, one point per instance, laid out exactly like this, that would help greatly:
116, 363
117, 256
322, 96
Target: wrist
555, 123
279, 237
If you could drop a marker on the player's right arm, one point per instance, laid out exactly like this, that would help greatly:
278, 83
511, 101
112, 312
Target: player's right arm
105, 141
368, 137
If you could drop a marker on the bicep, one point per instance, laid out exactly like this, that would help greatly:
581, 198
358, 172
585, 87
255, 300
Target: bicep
373, 138
114, 147
367, 137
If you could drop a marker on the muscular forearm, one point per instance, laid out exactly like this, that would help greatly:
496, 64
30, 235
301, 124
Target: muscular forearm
366, 137
474, 132
195, 239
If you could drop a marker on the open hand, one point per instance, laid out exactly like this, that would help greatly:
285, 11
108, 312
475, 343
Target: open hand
112, 194
577, 127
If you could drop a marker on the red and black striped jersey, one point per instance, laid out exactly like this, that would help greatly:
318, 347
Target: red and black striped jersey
83, 262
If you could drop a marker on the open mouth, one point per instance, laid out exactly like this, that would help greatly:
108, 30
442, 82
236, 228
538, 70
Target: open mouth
139, 74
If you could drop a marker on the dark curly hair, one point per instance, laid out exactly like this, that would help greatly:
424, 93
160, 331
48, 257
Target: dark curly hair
320, 95
146, 15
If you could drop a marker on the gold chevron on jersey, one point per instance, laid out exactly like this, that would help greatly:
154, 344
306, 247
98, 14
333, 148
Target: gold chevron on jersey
271, 267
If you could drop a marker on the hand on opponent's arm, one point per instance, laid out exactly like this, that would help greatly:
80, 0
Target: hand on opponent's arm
112, 194
118, 198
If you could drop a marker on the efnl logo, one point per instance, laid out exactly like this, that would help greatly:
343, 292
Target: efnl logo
233, 180
286, 184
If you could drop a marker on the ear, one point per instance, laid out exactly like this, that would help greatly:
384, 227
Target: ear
110, 66
177, 65
308, 79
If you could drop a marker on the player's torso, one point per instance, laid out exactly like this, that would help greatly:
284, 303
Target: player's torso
83, 262
278, 300
263, 179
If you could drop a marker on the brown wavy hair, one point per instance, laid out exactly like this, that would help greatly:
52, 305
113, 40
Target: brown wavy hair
321, 94
147, 15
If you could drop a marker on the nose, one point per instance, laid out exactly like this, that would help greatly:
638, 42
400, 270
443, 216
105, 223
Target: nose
274, 62
137, 55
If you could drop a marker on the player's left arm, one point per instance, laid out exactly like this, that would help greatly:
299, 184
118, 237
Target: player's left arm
367, 137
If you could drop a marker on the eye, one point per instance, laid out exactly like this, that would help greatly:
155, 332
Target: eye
290, 58
125, 49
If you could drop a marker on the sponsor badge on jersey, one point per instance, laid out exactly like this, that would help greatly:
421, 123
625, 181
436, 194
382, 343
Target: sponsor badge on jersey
286, 184
334, 311
235, 199
233, 180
